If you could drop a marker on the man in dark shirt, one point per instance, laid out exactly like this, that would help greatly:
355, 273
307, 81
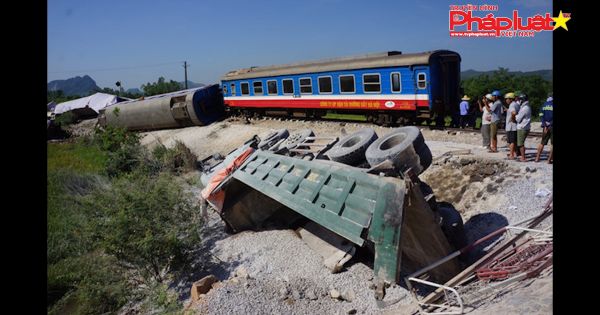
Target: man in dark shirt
546, 115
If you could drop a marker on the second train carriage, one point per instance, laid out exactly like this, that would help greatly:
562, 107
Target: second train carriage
388, 87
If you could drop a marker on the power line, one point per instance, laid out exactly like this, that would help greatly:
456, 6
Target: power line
118, 68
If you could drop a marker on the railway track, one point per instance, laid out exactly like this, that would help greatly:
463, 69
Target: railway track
366, 124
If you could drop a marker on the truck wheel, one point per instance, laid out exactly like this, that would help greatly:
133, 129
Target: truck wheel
351, 149
272, 138
296, 138
404, 146
452, 225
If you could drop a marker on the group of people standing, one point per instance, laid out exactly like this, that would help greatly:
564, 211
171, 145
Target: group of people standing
517, 125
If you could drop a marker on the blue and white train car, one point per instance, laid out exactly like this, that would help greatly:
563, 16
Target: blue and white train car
387, 87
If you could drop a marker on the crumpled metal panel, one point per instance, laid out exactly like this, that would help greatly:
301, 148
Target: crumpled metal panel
340, 198
390, 212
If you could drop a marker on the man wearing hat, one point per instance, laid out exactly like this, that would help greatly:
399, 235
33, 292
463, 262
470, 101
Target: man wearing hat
486, 119
496, 110
523, 120
511, 123
464, 111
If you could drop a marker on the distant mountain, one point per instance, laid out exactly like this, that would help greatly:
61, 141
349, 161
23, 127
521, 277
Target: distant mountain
81, 86
134, 91
545, 74
192, 85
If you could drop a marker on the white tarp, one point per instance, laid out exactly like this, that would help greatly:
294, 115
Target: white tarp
96, 102
50, 106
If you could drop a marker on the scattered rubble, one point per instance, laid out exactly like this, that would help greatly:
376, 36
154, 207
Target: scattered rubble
202, 286
335, 294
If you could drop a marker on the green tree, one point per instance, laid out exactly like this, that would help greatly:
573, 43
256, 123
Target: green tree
160, 87
534, 86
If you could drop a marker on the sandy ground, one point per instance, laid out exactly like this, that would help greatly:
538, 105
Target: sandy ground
286, 277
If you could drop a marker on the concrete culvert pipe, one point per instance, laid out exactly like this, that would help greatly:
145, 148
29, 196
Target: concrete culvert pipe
404, 146
351, 149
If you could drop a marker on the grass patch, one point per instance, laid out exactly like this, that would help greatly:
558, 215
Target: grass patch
76, 157
345, 116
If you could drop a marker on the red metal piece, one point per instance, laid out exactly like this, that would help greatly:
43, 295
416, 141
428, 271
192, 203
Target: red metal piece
520, 259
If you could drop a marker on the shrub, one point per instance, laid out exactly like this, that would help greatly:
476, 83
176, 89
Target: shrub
65, 119
124, 159
161, 300
88, 284
112, 138
147, 223
177, 160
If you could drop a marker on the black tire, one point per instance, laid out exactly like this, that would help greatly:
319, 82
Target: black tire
351, 148
272, 138
452, 225
404, 146
296, 138
425, 157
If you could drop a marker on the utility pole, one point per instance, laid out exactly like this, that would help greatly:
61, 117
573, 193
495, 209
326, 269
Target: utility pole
185, 67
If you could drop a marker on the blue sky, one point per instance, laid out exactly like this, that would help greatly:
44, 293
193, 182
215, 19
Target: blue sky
137, 41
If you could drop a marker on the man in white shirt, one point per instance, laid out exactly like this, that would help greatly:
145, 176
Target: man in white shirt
511, 123
496, 110
486, 119
523, 119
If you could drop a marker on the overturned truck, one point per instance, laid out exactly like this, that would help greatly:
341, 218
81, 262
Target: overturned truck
373, 200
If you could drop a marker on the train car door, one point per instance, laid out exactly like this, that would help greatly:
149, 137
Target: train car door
449, 65
422, 84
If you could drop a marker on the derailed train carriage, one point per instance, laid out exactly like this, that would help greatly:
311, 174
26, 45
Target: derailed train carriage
192, 107
388, 87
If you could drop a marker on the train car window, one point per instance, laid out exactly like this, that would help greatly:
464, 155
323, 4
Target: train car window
245, 88
396, 85
347, 84
257, 85
325, 85
224, 89
305, 86
233, 89
421, 80
372, 83
272, 87
288, 86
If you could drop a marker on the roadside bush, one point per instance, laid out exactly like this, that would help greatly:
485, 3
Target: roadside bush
178, 159
65, 119
124, 159
161, 300
94, 282
112, 138
147, 223
123, 149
